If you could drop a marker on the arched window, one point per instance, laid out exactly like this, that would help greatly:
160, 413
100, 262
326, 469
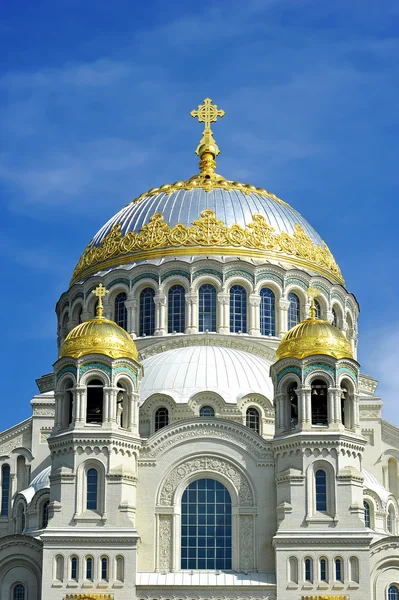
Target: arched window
294, 310
206, 541
59, 568
367, 516
317, 308
323, 570
74, 568
5, 490
308, 569
253, 419
121, 310
207, 308
393, 593
21, 473
94, 409
390, 520
45, 508
321, 490
18, 592
147, 312
354, 569
120, 568
91, 491
238, 309
319, 402
335, 318
161, 418
207, 411
104, 568
293, 404
89, 568
393, 476
176, 309
267, 312
339, 576
293, 569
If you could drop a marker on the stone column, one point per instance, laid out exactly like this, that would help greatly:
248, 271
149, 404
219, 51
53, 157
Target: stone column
131, 306
283, 316
160, 314
278, 401
330, 316
223, 304
334, 406
80, 406
254, 314
306, 411
58, 410
191, 313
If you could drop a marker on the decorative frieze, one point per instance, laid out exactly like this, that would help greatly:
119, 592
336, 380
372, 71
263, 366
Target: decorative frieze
165, 542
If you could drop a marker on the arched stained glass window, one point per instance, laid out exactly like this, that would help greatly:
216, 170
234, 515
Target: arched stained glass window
147, 312
317, 308
321, 490
238, 309
92, 481
367, 518
5, 490
253, 419
267, 312
121, 310
207, 308
176, 309
206, 541
393, 593
294, 310
207, 411
45, 514
18, 592
161, 418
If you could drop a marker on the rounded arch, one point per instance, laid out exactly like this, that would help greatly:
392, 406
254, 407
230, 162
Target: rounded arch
329, 493
296, 308
258, 401
155, 401
66, 381
172, 280
95, 373
209, 398
242, 281
176, 307
286, 381
140, 285
321, 374
272, 285
146, 313
206, 279
82, 485
77, 311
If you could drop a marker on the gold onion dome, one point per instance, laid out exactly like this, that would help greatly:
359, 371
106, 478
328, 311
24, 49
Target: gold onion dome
314, 336
207, 214
99, 336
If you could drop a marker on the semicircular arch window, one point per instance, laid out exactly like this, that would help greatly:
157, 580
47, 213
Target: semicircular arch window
294, 310
317, 309
176, 309
121, 310
267, 312
206, 538
207, 308
147, 312
18, 592
238, 309
207, 411
393, 593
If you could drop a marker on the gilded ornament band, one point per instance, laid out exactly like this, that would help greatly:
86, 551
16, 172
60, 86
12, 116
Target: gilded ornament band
157, 237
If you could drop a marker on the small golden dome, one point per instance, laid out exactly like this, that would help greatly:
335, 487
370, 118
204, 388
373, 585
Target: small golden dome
314, 336
99, 336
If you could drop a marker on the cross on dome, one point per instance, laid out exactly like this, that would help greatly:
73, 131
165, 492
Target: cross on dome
100, 292
207, 113
312, 292
207, 149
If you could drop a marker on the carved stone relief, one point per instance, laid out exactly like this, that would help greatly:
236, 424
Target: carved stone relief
246, 543
165, 542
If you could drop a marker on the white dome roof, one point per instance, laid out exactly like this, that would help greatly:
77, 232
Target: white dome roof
41, 481
183, 372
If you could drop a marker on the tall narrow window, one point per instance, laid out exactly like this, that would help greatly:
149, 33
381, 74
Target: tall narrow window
354, 569
393, 593
104, 568
293, 569
59, 568
147, 312
335, 318
89, 568
317, 308
293, 405
319, 403
176, 309
338, 570
121, 310
321, 490
207, 412
294, 310
207, 308
74, 568
94, 409
92, 481
308, 569
45, 508
238, 309
120, 567
161, 418
5, 490
367, 517
267, 312
390, 520
206, 541
323, 569
18, 592
252, 419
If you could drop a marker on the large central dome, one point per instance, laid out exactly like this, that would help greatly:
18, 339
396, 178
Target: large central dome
207, 215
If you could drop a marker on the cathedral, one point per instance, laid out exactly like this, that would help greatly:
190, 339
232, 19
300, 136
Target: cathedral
206, 432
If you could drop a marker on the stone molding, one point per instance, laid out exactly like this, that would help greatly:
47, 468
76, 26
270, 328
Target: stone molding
193, 594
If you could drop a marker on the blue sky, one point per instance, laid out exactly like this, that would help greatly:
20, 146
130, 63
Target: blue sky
94, 109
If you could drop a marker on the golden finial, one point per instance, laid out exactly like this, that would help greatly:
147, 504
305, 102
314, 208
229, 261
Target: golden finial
207, 149
100, 292
312, 292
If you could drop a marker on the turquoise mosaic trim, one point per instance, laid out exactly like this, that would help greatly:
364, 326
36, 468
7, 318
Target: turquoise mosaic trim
145, 276
125, 369
270, 276
67, 369
295, 370
208, 272
348, 371
100, 366
175, 272
117, 281
338, 297
295, 281
321, 288
318, 366
239, 273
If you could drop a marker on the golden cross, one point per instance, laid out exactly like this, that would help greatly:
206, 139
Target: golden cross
312, 292
207, 113
100, 292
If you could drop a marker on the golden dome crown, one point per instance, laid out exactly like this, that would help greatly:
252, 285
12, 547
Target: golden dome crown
99, 336
314, 336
